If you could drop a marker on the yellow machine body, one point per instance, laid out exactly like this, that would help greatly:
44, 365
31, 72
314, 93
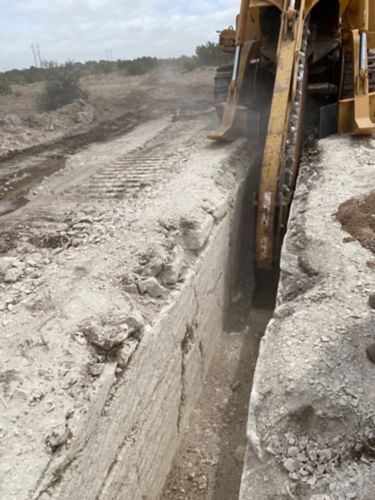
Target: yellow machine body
317, 46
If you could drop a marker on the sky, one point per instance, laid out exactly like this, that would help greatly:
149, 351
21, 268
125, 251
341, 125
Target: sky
82, 30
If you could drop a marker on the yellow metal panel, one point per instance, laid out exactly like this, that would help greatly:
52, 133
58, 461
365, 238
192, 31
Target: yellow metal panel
346, 114
363, 123
355, 14
280, 4
228, 127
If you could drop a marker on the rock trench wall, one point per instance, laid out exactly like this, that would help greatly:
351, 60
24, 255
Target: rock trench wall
125, 446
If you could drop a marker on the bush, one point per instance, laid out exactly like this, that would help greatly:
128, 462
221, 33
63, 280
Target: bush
61, 87
188, 63
5, 88
210, 54
141, 66
62, 82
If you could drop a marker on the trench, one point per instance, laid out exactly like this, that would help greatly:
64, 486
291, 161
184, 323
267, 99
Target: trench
209, 460
208, 463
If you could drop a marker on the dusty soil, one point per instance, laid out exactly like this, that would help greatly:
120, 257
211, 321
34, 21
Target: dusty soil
35, 145
110, 97
209, 461
357, 217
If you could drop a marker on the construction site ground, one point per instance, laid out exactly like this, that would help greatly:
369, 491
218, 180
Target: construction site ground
96, 238
128, 339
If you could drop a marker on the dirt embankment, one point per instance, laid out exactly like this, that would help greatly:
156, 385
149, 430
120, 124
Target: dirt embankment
357, 217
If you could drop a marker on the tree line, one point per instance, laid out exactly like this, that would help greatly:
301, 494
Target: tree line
208, 54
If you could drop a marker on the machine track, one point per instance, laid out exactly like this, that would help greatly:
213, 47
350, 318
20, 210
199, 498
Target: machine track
371, 70
293, 142
275, 199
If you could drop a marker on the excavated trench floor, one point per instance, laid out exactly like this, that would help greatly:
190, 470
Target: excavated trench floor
208, 464
209, 461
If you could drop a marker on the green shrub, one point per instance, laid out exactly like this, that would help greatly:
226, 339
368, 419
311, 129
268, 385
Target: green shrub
210, 54
62, 83
5, 88
141, 66
188, 63
61, 88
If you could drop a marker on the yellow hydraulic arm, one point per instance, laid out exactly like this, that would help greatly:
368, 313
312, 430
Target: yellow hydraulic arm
356, 115
243, 53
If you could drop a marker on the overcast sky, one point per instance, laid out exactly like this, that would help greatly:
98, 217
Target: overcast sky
81, 30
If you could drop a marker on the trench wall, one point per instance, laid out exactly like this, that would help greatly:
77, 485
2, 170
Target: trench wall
126, 444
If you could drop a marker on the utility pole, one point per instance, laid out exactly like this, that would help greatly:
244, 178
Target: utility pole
108, 55
35, 47
38, 52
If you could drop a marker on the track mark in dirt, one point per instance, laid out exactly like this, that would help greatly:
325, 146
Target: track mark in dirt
208, 464
22, 170
357, 217
135, 170
101, 132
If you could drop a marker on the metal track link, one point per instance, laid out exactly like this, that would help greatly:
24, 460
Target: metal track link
293, 142
371, 70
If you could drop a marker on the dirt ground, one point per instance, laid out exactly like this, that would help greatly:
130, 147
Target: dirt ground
357, 217
110, 96
89, 220
34, 145
91, 210
311, 415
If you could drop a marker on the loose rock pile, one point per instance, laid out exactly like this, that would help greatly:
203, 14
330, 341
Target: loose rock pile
315, 462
